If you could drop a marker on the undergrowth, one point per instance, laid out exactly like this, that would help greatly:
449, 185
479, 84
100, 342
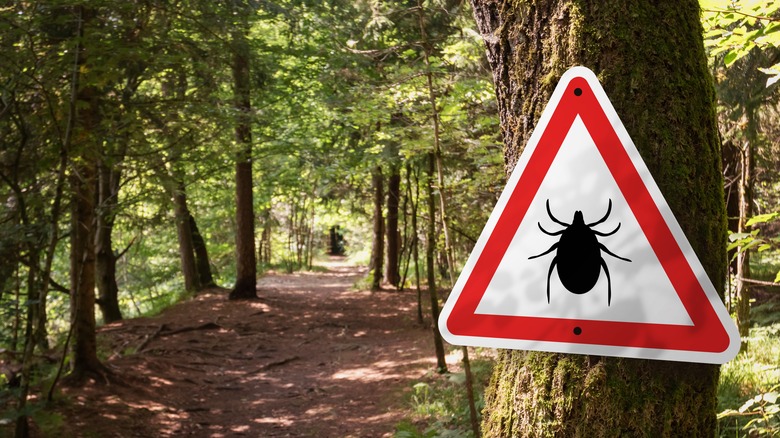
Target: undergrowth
439, 407
749, 389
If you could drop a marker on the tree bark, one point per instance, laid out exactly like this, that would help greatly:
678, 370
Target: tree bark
246, 263
202, 262
82, 268
650, 59
392, 274
746, 181
184, 234
378, 246
264, 251
105, 259
83, 181
430, 259
414, 253
732, 174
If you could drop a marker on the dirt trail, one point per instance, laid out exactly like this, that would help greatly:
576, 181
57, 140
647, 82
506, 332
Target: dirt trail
310, 358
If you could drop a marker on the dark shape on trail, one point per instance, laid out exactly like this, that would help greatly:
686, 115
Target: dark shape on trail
337, 242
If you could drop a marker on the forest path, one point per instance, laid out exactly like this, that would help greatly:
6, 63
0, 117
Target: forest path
311, 358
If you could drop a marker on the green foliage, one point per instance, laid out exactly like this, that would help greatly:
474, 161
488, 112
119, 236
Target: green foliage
733, 28
752, 241
337, 88
748, 386
764, 411
439, 405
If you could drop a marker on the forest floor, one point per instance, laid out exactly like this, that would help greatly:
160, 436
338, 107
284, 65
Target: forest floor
311, 358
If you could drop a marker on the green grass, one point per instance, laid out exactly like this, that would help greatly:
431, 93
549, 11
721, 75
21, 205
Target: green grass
747, 394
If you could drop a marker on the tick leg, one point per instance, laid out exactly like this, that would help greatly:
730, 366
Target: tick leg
549, 274
609, 209
557, 233
552, 248
599, 233
549, 213
609, 282
604, 248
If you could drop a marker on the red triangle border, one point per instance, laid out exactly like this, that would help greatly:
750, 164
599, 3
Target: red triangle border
707, 334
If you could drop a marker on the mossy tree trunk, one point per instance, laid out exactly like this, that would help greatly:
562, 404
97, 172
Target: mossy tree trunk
650, 60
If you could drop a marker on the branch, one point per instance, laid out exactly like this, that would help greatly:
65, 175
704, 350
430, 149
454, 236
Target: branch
734, 11
759, 282
464, 234
380, 53
127, 248
55, 286
58, 287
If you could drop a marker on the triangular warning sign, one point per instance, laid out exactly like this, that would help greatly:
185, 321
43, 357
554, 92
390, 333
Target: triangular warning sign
582, 253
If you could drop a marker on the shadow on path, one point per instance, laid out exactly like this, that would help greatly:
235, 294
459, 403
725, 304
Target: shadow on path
310, 358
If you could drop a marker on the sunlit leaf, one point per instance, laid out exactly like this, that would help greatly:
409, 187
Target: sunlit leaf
730, 58
762, 218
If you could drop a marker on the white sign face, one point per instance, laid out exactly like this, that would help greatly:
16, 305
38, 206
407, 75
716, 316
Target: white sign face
583, 255
578, 179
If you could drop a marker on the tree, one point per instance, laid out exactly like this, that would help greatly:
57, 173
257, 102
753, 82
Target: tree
430, 249
650, 59
392, 275
742, 38
83, 181
246, 264
378, 245
185, 235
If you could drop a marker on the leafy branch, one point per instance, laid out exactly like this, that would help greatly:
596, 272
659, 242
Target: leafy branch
746, 241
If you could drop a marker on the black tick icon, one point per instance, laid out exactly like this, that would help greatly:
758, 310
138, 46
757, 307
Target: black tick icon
578, 254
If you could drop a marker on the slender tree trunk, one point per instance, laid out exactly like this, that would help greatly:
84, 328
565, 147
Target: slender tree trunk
378, 246
732, 172
310, 237
105, 259
405, 254
109, 183
430, 259
264, 252
39, 336
437, 159
444, 219
9, 253
246, 264
745, 212
651, 61
392, 275
22, 428
184, 233
416, 242
202, 262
